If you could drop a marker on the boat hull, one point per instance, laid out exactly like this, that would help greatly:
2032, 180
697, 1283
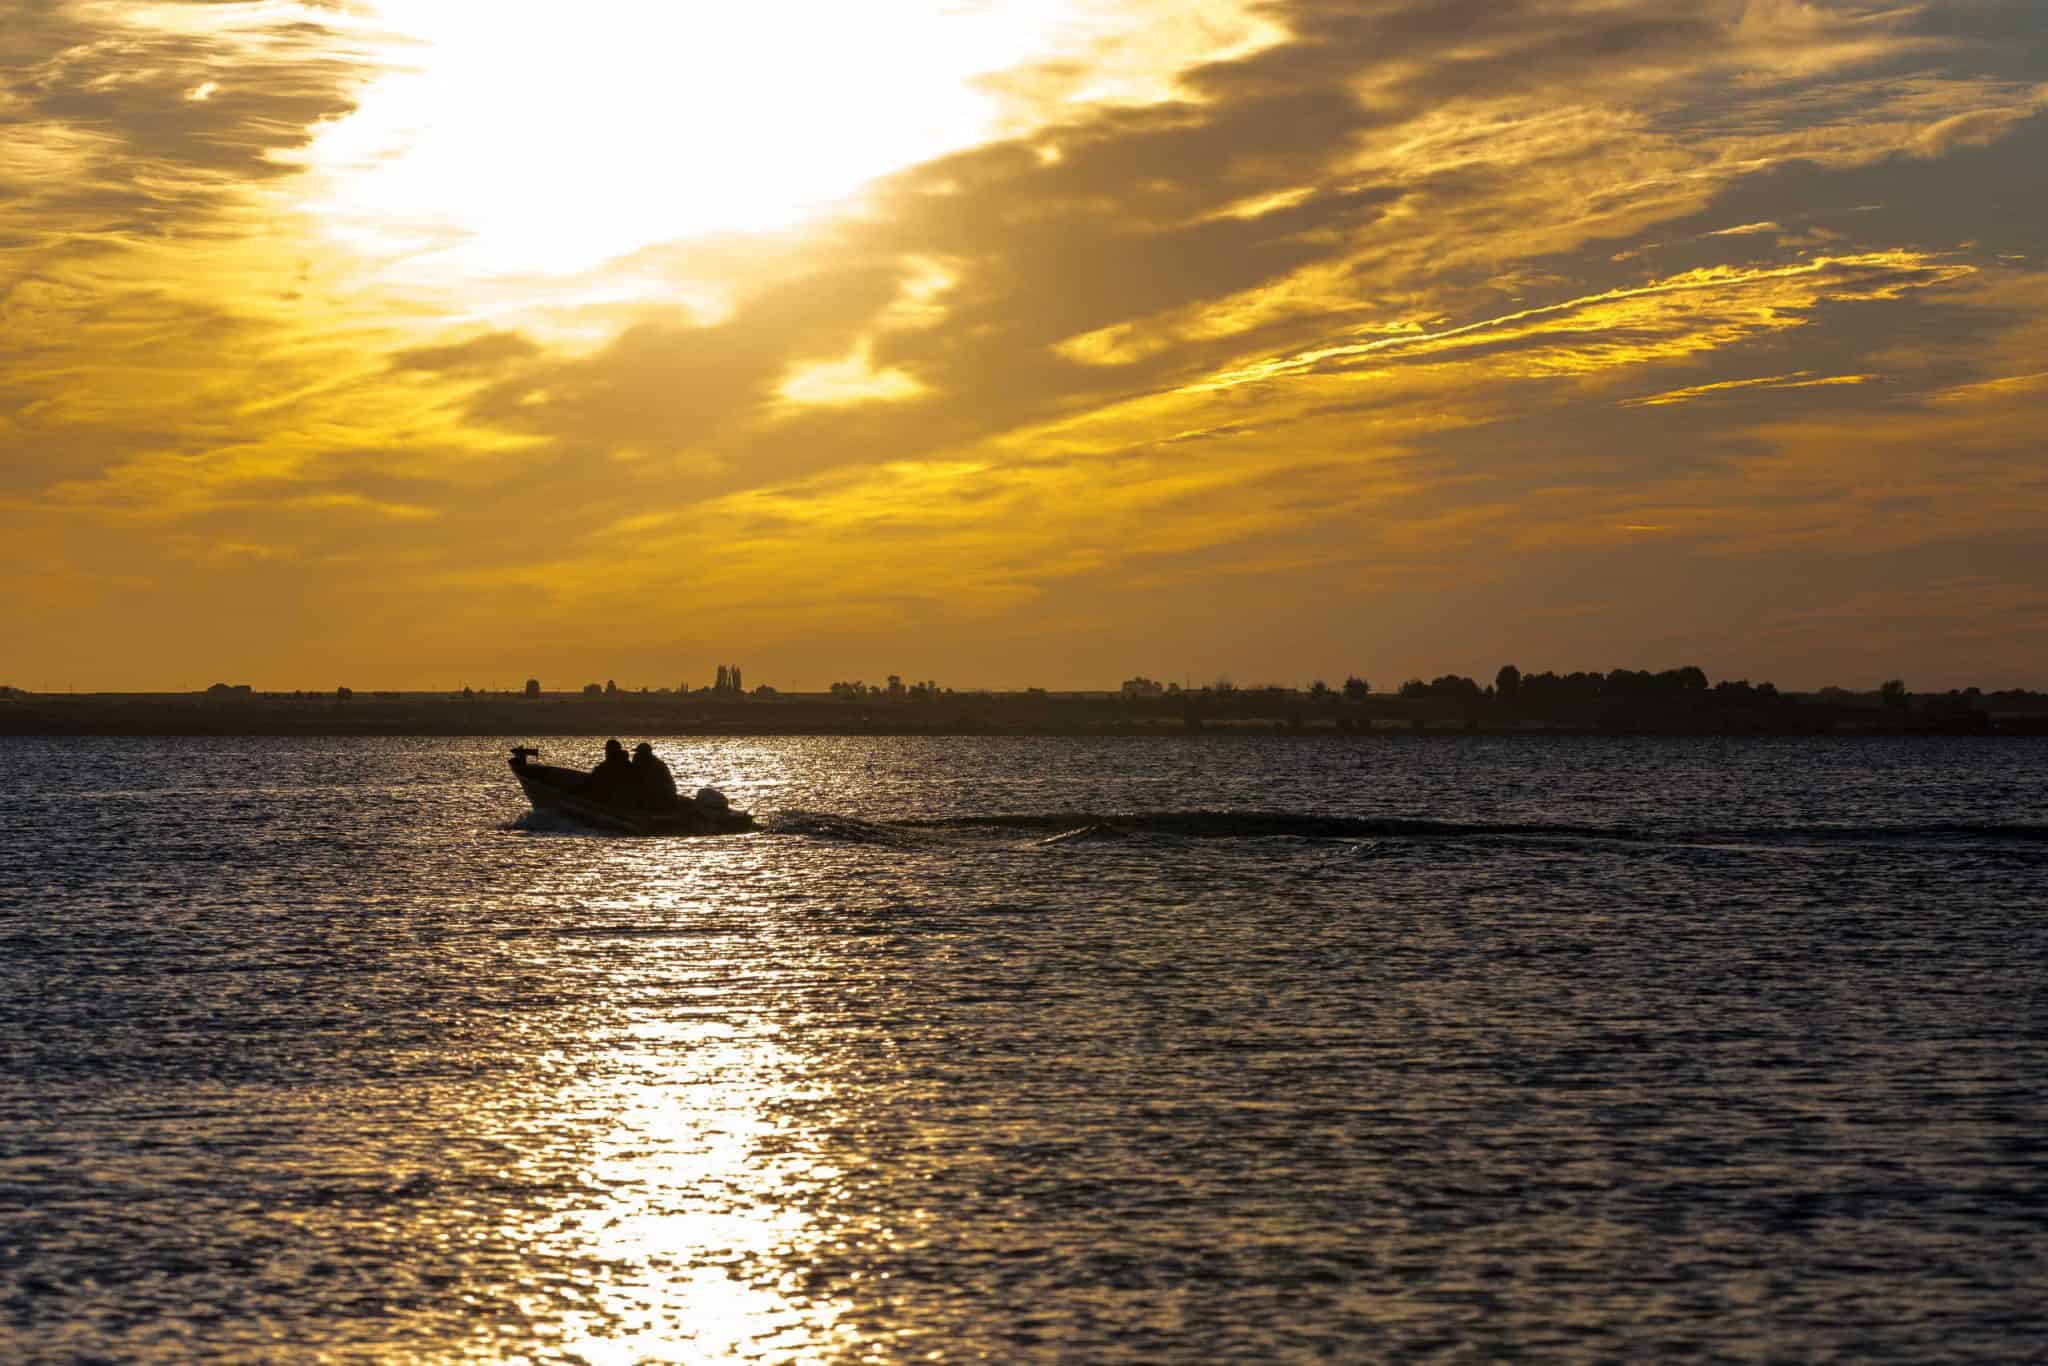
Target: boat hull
554, 791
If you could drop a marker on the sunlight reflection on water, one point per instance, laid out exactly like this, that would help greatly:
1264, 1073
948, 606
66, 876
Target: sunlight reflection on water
692, 1172
694, 1221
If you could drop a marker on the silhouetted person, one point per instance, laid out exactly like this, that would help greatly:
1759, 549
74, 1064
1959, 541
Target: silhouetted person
613, 777
655, 784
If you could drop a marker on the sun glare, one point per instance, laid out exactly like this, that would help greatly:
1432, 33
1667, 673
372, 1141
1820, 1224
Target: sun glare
528, 139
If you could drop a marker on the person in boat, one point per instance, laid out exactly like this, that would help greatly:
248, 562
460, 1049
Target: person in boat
654, 783
614, 776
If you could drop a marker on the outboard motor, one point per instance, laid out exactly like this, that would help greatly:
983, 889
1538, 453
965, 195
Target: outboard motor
711, 799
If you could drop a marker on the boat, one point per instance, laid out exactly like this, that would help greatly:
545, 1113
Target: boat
560, 792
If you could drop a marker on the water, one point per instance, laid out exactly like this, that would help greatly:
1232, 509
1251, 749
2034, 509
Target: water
1576, 1048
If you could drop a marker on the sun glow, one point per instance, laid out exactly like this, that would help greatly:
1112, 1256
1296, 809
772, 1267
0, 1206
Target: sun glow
528, 139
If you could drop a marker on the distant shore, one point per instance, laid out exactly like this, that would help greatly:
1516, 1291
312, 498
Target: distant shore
643, 714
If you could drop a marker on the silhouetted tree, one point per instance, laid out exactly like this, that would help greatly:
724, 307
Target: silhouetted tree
611, 687
533, 687
1356, 689
1319, 690
344, 694
1508, 682
1893, 694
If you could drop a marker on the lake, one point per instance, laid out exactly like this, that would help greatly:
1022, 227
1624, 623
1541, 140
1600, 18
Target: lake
1467, 1047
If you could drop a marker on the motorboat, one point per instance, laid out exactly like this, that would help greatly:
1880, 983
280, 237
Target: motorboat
564, 792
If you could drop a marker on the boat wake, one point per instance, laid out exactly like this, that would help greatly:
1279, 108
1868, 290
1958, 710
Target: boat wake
1281, 824
1063, 828
820, 825
549, 823
1079, 827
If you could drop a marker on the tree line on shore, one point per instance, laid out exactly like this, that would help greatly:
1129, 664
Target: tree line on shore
1668, 702
1511, 695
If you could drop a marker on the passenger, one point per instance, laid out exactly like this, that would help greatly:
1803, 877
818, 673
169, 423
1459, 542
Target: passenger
613, 777
655, 784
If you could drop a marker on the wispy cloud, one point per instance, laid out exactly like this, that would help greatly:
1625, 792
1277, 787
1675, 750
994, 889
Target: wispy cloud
1798, 379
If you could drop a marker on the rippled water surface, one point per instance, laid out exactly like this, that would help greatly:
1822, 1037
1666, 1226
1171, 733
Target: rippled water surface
1466, 1048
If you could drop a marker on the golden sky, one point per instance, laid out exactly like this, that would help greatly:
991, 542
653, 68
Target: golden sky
413, 343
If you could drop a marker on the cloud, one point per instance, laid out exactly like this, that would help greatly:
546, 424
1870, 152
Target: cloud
1455, 299
850, 379
1798, 379
485, 354
127, 119
1698, 310
1978, 128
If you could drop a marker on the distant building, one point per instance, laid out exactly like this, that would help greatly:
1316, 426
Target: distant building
234, 690
593, 690
533, 687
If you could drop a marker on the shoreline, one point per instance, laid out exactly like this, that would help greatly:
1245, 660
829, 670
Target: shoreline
142, 715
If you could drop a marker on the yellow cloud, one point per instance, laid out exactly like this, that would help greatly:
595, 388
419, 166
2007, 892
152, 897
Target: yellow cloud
1680, 315
851, 379
1798, 379
1993, 390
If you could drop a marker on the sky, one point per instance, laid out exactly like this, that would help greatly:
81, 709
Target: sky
423, 343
